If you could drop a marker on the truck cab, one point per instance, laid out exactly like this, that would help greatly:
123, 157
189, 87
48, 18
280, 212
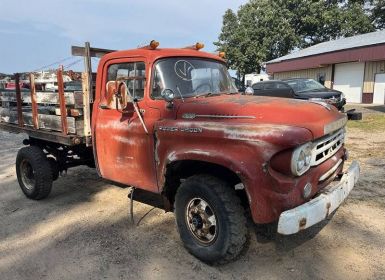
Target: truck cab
171, 122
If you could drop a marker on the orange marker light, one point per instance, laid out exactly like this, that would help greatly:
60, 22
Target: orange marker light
199, 46
154, 44
221, 54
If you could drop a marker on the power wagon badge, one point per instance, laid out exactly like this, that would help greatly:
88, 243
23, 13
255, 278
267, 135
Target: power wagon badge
181, 129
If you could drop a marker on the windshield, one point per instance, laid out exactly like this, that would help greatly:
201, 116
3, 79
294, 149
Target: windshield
189, 77
301, 85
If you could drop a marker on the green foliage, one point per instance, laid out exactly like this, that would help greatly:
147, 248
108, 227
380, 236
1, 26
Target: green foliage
262, 30
377, 14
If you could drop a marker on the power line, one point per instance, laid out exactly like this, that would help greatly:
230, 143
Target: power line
72, 63
52, 64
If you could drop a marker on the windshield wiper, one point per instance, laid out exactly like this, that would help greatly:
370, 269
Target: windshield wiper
211, 94
180, 94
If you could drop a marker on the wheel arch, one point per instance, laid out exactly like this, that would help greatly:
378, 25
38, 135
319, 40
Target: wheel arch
179, 170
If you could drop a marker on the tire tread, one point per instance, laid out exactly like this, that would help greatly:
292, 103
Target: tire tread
42, 168
235, 213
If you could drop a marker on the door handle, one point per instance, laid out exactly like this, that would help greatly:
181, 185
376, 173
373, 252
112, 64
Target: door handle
103, 106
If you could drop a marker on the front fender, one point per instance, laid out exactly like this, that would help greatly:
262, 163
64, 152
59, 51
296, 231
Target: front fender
245, 150
236, 162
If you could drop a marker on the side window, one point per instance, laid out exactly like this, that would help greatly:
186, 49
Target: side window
257, 86
270, 86
133, 75
283, 86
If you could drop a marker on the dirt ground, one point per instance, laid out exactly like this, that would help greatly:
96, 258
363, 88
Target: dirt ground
83, 231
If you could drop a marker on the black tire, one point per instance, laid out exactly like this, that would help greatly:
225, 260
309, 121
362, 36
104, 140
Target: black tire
356, 116
230, 229
54, 168
34, 172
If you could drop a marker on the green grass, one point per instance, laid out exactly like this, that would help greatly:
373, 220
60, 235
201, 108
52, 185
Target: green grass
369, 123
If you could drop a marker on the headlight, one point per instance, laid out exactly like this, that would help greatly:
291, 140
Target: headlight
301, 159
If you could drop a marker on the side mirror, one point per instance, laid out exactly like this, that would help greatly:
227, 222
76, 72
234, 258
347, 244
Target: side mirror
168, 94
117, 93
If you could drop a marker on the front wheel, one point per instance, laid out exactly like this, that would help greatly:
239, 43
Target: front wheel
34, 172
210, 219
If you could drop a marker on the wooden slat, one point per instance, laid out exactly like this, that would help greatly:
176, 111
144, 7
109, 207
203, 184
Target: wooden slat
51, 136
33, 101
71, 98
88, 70
63, 111
48, 122
94, 52
86, 108
18, 100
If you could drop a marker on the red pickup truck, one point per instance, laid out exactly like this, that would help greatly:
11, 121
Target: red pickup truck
170, 121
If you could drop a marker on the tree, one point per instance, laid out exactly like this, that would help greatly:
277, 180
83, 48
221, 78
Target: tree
254, 35
262, 30
378, 13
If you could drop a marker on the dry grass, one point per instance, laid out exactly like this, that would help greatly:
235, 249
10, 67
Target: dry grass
369, 123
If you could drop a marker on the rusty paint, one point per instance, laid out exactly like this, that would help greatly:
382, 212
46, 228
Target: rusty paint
63, 109
126, 154
302, 223
35, 117
20, 119
328, 205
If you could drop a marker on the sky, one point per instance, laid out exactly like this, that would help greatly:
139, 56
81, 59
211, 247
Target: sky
34, 34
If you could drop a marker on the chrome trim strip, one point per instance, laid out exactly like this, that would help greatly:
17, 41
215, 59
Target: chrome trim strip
331, 171
193, 116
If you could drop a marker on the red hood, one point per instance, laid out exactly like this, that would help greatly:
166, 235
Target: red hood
262, 110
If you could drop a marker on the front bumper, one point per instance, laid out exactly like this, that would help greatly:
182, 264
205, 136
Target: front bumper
318, 209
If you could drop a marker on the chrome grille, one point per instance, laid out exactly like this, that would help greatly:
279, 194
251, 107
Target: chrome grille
326, 147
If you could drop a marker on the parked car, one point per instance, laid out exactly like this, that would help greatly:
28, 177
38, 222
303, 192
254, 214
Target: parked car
300, 88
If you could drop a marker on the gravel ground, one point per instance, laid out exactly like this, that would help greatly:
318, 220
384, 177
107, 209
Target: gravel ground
83, 231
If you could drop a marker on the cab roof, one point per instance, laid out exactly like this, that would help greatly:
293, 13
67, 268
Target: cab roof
159, 53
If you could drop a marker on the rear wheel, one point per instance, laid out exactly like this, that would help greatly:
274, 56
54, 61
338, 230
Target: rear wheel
210, 219
54, 168
34, 172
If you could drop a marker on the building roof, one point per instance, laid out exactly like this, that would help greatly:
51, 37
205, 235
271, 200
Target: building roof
363, 40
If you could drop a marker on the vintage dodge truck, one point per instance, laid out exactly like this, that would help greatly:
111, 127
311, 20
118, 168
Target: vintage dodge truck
171, 122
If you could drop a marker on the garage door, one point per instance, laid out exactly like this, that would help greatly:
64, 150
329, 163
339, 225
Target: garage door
348, 78
379, 89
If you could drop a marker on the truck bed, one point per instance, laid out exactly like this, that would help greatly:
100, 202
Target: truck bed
39, 114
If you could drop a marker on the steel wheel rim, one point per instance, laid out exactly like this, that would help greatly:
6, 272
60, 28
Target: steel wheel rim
201, 220
27, 174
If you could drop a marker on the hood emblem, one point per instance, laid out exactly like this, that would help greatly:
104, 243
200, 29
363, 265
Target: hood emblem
320, 102
194, 116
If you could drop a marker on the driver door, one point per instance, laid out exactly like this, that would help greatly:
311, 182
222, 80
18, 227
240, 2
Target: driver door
125, 152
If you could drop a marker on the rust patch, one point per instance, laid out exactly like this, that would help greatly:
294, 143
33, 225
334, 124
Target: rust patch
302, 223
328, 205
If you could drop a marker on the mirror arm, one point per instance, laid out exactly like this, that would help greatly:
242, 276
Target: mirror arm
103, 106
170, 105
139, 115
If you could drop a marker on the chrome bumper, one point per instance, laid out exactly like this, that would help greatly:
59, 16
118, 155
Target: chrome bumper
317, 209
